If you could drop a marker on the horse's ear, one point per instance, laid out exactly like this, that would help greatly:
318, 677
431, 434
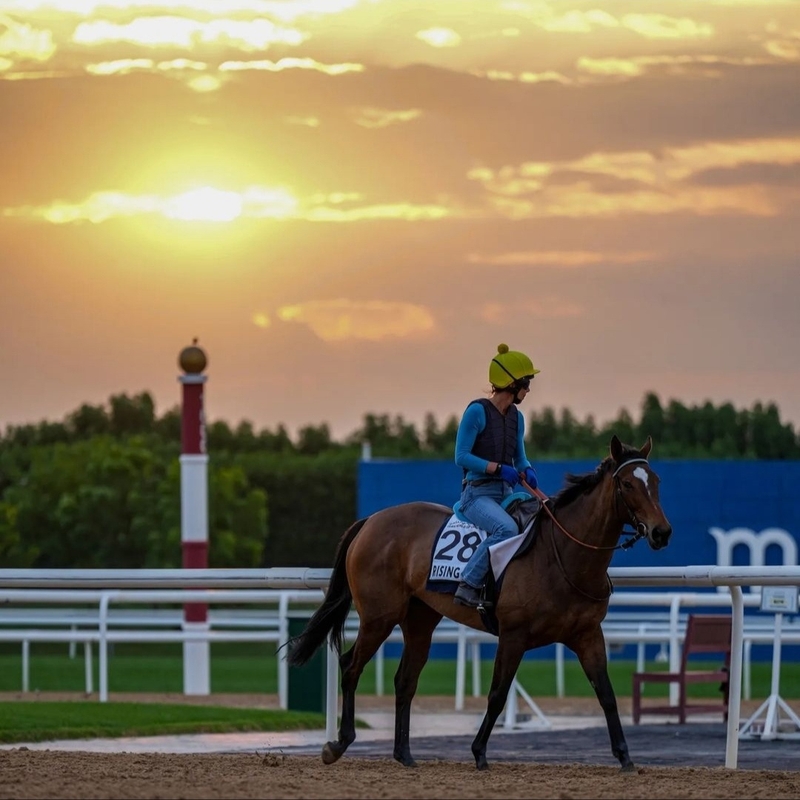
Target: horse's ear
647, 447
616, 448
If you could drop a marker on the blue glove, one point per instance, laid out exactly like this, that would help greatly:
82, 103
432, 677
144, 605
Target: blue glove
530, 477
509, 474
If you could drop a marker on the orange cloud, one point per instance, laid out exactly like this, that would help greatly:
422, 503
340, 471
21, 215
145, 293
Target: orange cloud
339, 320
661, 26
648, 25
522, 77
637, 65
285, 11
291, 63
381, 117
649, 185
562, 258
22, 41
439, 37
162, 31
207, 204
543, 307
212, 78
204, 204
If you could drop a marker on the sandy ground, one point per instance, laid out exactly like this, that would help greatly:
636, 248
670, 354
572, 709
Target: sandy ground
28, 774
81, 775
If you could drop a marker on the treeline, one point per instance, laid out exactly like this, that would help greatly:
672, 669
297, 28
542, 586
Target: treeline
101, 488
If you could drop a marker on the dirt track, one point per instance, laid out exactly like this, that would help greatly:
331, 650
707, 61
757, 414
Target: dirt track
83, 775
31, 774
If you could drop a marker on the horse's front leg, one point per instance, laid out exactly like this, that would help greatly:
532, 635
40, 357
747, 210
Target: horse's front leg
510, 649
591, 651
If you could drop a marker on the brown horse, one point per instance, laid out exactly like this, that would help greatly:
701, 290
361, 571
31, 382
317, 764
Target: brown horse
556, 592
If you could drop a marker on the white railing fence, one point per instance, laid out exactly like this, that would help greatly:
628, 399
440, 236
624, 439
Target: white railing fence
100, 626
298, 579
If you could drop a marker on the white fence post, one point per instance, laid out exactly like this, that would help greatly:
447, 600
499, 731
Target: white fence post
560, 670
674, 647
476, 668
461, 666
283, 664
331, 692
26, 660
735, 677
87, 667
103, 647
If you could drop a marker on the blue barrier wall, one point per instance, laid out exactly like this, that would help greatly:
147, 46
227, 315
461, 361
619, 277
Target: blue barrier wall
697, 496
722, 512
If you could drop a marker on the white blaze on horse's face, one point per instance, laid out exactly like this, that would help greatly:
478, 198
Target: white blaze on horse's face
641, 474
639, 491
650, 514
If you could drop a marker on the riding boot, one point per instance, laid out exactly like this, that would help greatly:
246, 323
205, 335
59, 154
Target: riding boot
467, 595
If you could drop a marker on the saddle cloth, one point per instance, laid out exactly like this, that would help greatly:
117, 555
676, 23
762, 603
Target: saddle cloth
458, 539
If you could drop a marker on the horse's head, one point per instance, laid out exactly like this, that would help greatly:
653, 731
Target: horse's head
637, 490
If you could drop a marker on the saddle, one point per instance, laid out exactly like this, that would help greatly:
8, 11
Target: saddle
523, 508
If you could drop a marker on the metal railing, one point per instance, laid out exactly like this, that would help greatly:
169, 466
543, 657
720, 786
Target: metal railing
193, 579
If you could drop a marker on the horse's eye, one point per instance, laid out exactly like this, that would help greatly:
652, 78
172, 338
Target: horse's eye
627, 485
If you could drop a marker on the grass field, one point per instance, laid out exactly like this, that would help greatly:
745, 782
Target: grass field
253, 668
43, 721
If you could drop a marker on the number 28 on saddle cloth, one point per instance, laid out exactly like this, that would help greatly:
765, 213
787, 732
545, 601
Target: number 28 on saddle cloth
458, 539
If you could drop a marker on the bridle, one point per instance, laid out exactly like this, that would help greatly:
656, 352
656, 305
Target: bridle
640, 529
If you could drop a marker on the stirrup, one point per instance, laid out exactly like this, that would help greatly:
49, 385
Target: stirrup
468, 596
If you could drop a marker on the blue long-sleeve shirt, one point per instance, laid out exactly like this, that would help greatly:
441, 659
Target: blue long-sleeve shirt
472, 423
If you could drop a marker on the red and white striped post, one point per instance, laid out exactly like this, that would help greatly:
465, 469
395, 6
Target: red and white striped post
194, 511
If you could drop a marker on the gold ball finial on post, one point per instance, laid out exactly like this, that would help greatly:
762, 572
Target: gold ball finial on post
192, 359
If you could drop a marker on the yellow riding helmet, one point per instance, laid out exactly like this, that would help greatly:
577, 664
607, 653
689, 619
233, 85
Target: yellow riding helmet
509, 366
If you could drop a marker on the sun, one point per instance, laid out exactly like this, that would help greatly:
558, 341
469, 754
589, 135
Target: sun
205, 204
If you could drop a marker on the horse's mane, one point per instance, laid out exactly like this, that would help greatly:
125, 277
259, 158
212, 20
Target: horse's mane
577, 485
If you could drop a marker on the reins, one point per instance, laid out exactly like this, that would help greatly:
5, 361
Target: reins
544, 498
640, 532
640, 529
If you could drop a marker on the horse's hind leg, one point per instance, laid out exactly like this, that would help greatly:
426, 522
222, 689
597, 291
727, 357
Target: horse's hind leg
417, 627
352, 662
591, 652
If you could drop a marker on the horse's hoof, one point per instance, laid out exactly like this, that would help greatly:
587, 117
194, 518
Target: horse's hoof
406, 761
331, 752
482, 764
629, 769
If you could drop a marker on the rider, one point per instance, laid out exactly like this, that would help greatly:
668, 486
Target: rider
490, 448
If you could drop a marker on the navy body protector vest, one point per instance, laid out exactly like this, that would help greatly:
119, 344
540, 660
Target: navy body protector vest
498, 440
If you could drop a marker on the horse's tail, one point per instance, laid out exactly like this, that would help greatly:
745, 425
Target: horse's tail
331, 616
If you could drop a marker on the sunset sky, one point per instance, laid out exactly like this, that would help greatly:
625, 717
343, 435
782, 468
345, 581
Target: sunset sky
352, 202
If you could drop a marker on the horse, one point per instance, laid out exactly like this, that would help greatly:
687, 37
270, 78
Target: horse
557, 591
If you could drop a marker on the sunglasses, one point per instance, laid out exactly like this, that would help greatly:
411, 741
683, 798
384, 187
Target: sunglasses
525, 383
